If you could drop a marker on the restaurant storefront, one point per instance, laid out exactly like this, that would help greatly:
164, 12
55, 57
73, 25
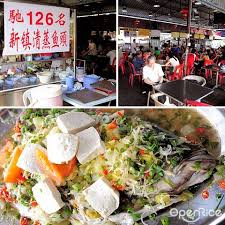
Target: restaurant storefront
44, 50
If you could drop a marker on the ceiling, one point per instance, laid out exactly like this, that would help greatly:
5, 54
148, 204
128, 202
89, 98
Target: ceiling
84, 7
168, 12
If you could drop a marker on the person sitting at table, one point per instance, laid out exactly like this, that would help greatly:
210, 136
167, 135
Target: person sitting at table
146, 55
173, 61
157, 52
111, 54
138, 61
152, 71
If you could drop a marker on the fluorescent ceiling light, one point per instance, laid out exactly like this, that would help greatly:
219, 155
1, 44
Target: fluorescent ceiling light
100, 14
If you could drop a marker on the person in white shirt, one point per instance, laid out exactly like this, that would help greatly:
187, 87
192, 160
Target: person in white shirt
112, 55
134, 47
152, 72
173, 61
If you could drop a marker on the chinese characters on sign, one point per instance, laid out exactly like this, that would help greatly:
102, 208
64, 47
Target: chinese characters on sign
35, 29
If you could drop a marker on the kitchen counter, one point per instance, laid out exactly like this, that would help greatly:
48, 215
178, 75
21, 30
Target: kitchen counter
19, 85
13, 96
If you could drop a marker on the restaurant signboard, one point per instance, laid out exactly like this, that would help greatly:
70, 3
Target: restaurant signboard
30, 29
143, 32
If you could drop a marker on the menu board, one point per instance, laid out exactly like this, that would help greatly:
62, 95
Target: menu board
30, 28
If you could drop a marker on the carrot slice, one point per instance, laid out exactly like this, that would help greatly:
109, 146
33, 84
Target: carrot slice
57, 173
112, 125
66, 169
13, 172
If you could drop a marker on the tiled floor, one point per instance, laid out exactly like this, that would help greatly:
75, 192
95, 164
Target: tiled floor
133, 96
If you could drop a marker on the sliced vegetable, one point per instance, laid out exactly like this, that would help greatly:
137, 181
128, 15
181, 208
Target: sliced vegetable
112, 125
17, 128
105, 172
121, 113
55, 172
163, 198
67, 168
147, 174
200, 130
5, 196
205, 194
222, 184
37, 223
92, 214
24, 221
13, 172
141, 151
33, 204
165, 220
218, 196
117, 186
21, 179
186, 196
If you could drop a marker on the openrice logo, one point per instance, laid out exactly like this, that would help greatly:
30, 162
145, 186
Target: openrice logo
192, 216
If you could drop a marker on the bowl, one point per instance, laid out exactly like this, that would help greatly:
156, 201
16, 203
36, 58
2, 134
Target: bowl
55, 55
90, 79
33, 80
45, 77
46, 56
37, 58
63, 75
9, 82
196, 79
25, 80
28, 58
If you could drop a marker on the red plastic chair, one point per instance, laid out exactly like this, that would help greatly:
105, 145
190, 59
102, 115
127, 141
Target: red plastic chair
122, 66
125, 55
195, 103
221, 63
178, 73
208, 73
133, 74
190, 63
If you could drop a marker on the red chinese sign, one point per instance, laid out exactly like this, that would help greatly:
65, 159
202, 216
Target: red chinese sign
33, 28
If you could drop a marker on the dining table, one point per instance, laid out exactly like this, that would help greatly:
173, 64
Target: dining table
89, 99
182, 90
101, 92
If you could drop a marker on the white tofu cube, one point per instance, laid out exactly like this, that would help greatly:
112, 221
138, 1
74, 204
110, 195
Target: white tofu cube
47, 196
74, 122
90, 145
27, 160
102, 197
61, 147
